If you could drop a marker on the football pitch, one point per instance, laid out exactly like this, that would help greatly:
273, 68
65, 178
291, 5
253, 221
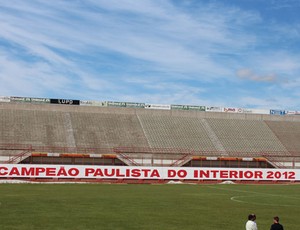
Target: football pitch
155, 207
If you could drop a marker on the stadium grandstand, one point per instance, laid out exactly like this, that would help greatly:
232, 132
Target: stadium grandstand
73, 132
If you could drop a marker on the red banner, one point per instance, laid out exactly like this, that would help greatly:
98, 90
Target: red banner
159, 173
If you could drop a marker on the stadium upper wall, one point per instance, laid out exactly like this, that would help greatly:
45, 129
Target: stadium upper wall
48, 104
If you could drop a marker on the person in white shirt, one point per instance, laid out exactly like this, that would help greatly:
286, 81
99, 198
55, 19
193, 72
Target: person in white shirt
251, 224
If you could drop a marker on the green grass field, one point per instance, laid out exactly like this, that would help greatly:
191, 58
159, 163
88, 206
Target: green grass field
121, 206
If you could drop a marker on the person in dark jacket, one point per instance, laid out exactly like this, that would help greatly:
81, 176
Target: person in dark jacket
276, 225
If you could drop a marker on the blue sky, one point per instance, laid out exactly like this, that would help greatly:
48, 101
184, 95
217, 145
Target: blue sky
239, 53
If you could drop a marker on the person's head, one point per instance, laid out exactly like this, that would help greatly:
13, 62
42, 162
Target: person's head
276, 219
252, 217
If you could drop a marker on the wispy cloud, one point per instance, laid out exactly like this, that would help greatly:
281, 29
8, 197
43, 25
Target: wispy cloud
248, 74
269, 102
282, 4
160, 34
176, 52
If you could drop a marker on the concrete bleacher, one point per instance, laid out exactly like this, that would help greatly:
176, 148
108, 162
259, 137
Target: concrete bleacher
288, 133
34, 127
246, 136
176, 132
70, 129
107, 130
202, 133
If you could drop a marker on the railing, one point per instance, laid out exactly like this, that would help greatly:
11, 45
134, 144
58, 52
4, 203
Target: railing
182, 160
286, 161
55, 149
132, 154
150, 150
81, 149
15, 147
18, 158
126, 159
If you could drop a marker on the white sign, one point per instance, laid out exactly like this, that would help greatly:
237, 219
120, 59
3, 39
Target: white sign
232, 110
256, 111
213, 109
4, 99
293, 112
159, 173
157, 106
92, 103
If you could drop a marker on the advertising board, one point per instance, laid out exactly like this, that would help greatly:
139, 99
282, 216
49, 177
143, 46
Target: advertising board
292, 112
232, 110
4, 99
135, 105
157, 106
20, 99
125, 104
256, 111
213, 109
29, 100
115, 104
65, 101
92, 103
159, 173
277, 112
188, 107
